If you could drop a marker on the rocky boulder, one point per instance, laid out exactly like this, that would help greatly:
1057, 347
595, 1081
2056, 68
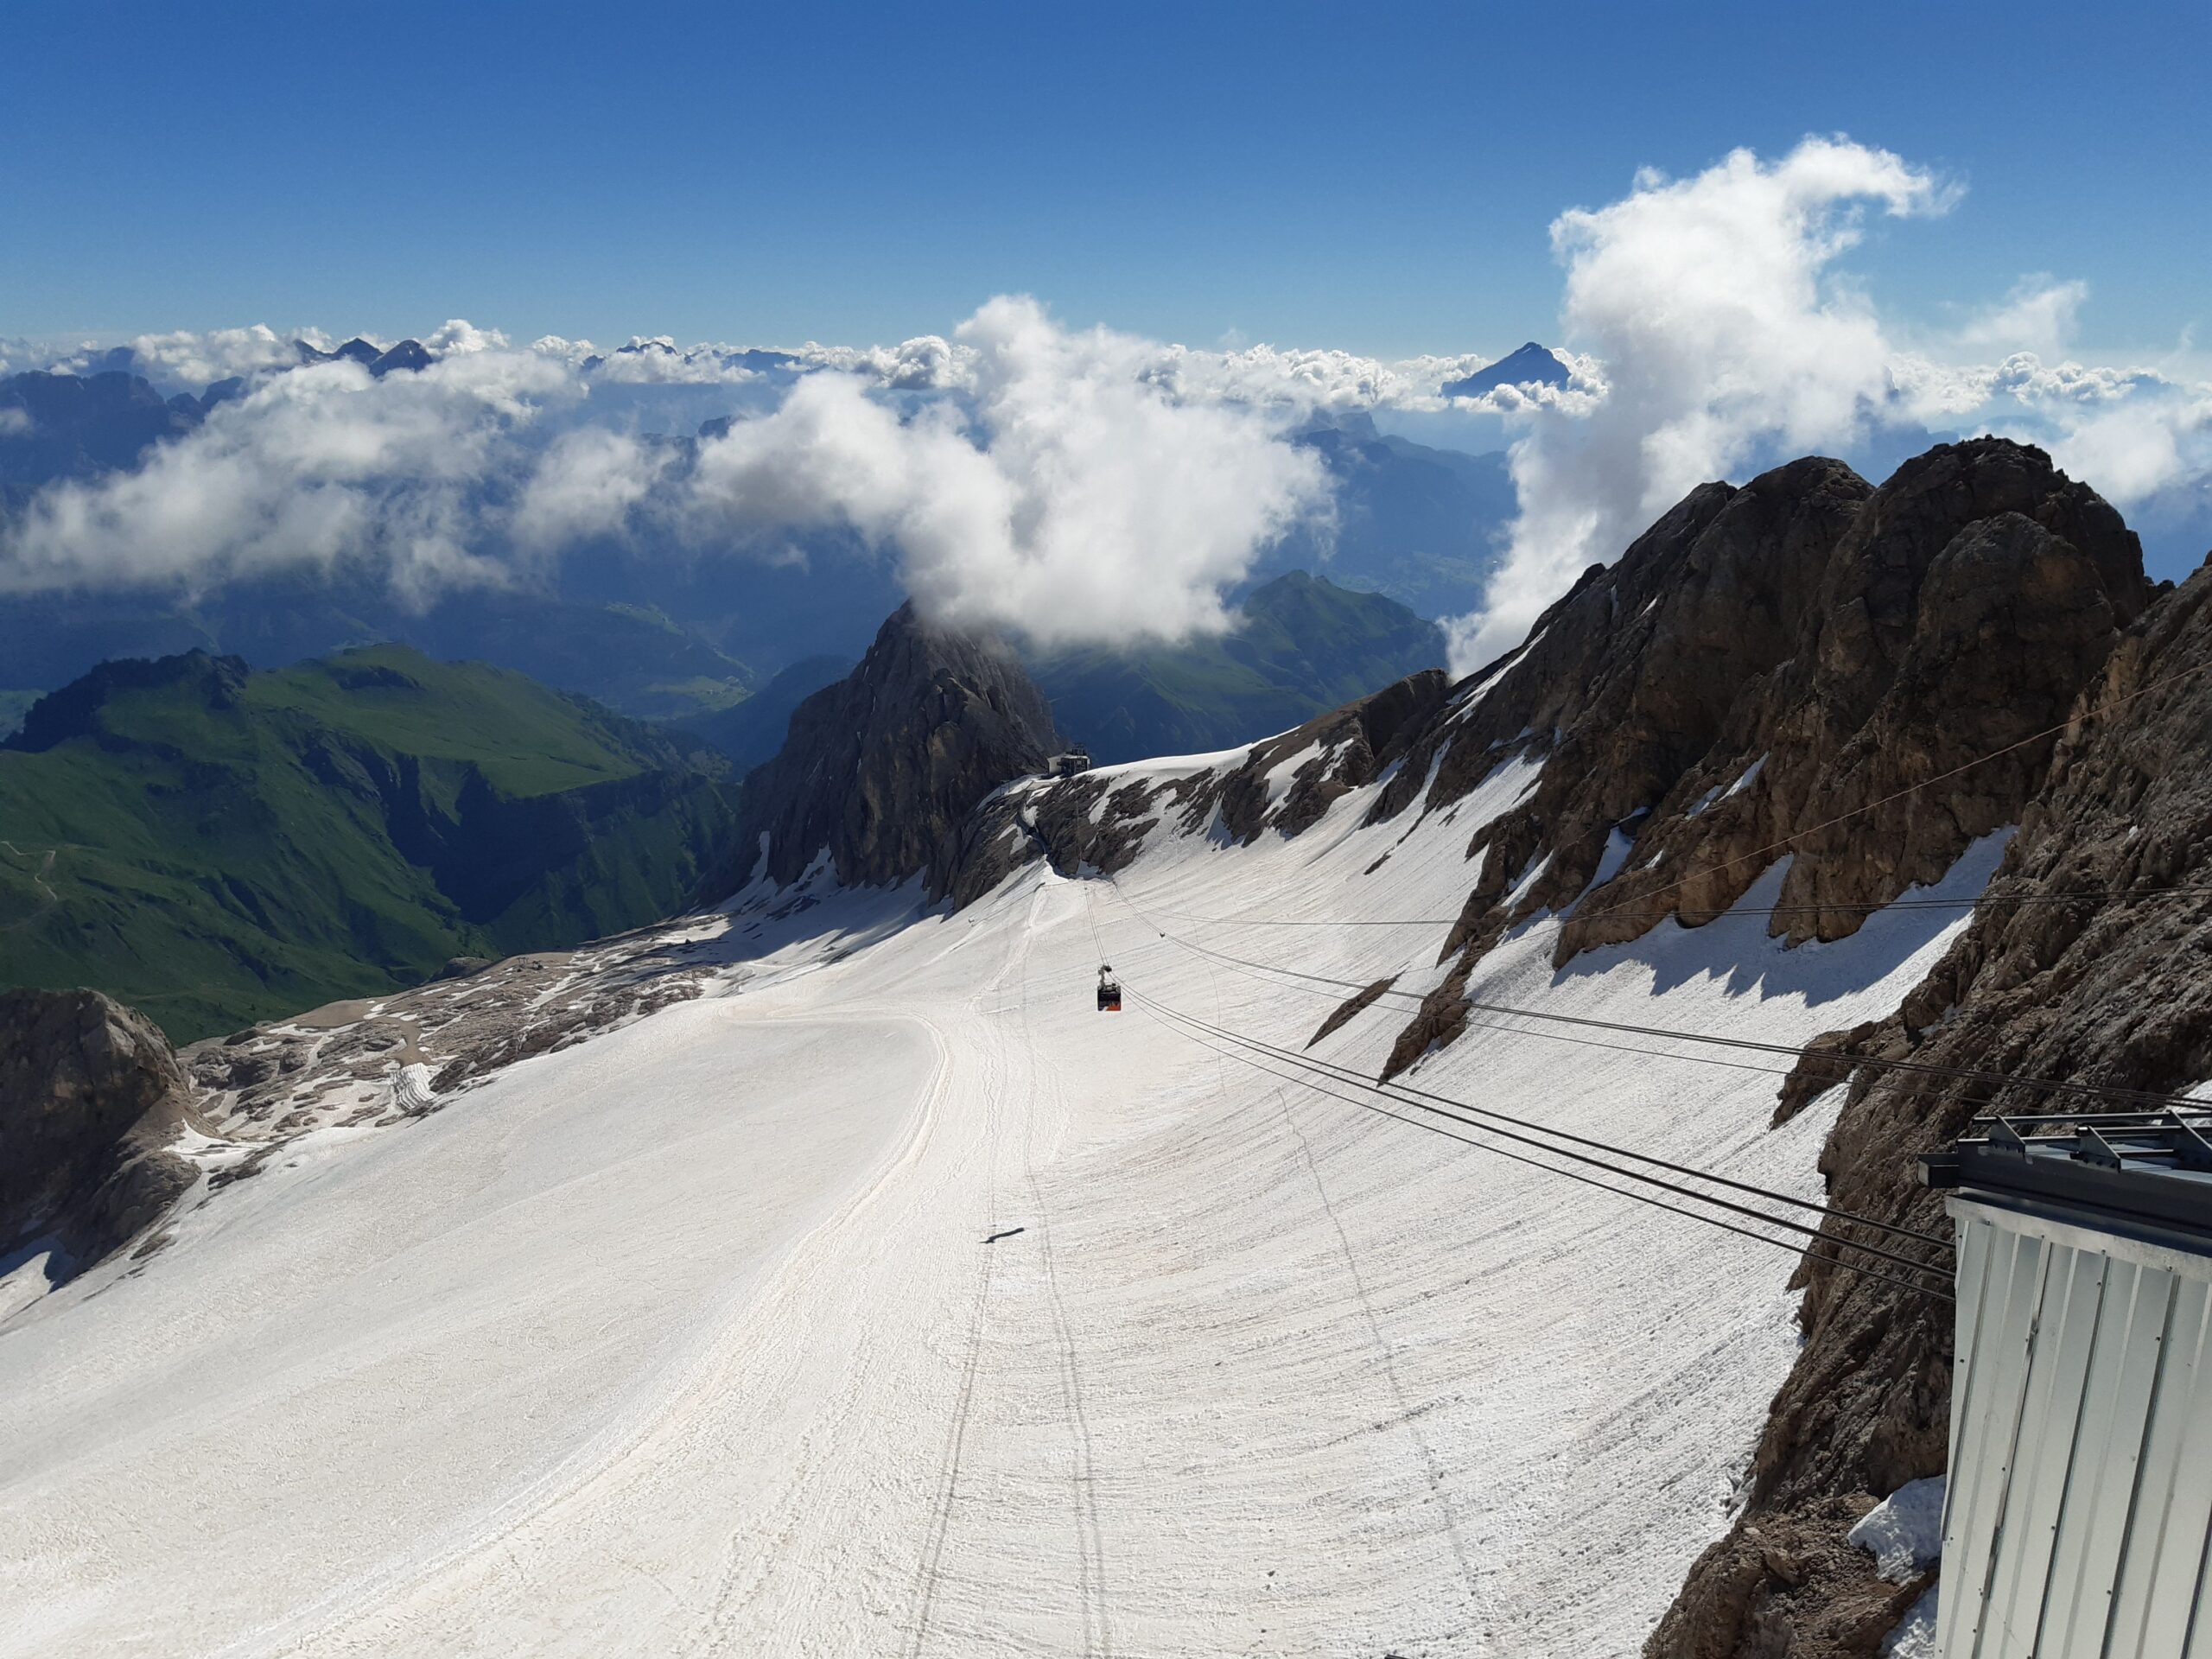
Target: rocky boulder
91, 1097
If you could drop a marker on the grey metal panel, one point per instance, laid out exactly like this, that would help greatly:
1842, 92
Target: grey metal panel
2078, 1524
2159, 1569
1972, 1496
2015, 1283
1975, 1235
2093, 1528
2058, 1364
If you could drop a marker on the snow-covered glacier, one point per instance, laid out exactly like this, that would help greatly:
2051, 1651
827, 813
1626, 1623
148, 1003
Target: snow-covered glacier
863, 1290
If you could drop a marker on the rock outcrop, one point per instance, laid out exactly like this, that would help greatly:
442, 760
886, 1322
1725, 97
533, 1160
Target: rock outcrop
881, 771
1092, 821
91, 1096
2082, 962
1862, 683
1763, 675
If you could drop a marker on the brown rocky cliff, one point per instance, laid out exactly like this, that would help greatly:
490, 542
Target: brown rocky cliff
1763, 661
2076, 965
882, 770
91, 1095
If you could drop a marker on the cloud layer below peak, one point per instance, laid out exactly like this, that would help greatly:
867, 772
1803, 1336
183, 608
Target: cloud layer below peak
1086, 485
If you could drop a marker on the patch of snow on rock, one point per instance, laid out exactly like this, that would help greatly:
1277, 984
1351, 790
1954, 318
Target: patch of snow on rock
1904, 1531
1914, 1636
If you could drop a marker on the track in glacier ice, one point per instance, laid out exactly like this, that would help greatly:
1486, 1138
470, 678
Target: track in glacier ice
687, 1340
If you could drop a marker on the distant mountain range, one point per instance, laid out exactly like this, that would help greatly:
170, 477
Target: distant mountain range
1415, 524
1304, 647
220, 846
217, 845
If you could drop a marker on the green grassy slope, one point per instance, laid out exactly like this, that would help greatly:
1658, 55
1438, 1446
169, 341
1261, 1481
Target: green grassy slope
216, 846
1304, 647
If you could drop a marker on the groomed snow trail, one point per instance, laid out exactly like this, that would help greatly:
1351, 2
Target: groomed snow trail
689, 1340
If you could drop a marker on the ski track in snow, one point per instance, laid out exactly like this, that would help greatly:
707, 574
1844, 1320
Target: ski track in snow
687, 1340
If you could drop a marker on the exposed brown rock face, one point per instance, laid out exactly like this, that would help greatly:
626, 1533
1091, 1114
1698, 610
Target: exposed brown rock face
2110, 984
882, 769
1766, 660
91, 1094
1066, 822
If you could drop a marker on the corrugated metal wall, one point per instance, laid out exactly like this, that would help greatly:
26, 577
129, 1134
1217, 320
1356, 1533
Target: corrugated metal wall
2080, 1501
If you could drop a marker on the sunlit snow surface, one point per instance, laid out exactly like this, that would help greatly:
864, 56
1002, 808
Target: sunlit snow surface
687, 1340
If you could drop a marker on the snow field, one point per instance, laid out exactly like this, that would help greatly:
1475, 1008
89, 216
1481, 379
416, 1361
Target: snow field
687, 1340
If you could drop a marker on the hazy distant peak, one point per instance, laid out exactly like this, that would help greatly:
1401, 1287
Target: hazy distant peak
1532, 366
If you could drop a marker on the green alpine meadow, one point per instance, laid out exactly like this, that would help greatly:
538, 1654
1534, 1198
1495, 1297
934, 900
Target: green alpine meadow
218, 846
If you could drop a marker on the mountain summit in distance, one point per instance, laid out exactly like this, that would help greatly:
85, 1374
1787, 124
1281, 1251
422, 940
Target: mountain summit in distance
1532, 366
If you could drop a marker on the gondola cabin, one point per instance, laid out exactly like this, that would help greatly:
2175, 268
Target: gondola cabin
1110, 992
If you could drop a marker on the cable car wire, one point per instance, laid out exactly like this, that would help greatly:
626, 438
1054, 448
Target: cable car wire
1794, 836
1320, 1068
2140, 1098
1997, 900
1149, 1005
1428, 1099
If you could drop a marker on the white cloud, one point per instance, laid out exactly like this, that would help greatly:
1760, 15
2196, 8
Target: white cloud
15, 423
2142, 448
458, 336
585, 484
201, 360
926, 363
321, 467
658, 361
1709, 302
2038, 316
1086, 485
1064, 494
1082, 502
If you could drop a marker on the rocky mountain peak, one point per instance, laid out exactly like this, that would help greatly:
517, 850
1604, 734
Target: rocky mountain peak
882, 770
1532, 364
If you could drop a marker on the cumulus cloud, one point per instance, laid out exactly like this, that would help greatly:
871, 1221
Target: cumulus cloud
2149, 446
1711, 304
926, 363
218, 354
584, 485
1078, 501
659, 361
321, 467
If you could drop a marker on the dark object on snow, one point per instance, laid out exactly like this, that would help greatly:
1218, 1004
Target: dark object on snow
1110, 992
1008, 1233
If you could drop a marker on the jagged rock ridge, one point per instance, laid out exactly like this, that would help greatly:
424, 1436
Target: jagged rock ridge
1767, 660
1861, 682
880, 771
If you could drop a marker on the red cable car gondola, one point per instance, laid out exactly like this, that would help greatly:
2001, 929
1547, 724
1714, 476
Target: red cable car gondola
1109, 991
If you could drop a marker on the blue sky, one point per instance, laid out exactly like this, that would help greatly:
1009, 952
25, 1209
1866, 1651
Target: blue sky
1375, 179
